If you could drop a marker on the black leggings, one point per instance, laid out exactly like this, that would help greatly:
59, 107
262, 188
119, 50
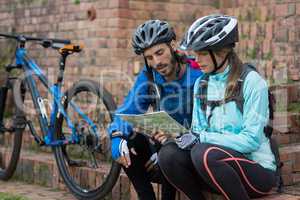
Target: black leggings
138, 175
216, 169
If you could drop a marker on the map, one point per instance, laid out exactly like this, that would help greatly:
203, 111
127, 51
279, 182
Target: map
151, 122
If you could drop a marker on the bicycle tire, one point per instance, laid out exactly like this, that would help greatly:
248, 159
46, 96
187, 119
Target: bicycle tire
106, 187
9, 163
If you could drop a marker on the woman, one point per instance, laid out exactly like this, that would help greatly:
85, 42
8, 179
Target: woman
227, 151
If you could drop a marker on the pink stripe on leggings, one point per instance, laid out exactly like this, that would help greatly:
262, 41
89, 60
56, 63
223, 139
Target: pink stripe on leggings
229, 159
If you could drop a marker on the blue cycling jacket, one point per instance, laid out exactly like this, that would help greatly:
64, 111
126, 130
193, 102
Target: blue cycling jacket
176, 99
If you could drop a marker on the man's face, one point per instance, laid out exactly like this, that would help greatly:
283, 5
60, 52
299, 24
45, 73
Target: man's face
159, 57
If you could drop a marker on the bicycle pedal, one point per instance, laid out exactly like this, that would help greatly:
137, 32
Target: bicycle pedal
17, 126
3, 129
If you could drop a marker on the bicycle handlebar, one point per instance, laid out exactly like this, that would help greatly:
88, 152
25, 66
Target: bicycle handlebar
28, 38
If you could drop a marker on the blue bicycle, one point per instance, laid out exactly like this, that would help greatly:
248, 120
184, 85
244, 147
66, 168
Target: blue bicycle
74, 125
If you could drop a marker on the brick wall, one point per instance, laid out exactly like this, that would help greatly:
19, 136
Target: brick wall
269, 32
269, 36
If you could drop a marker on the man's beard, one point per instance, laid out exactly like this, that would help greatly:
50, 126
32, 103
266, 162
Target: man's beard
171, 65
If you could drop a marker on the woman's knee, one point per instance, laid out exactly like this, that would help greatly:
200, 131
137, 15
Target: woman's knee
199, 155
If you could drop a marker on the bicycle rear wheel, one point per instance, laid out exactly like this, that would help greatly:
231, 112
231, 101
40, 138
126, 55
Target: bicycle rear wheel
88, 173
12, 126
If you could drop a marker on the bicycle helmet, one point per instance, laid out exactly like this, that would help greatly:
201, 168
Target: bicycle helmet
150, 33
211, 32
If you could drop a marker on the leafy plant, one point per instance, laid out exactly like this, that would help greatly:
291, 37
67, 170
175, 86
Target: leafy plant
76, 2
7, 196
294, 107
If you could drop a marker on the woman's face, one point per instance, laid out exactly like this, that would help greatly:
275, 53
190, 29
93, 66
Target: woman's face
205, 61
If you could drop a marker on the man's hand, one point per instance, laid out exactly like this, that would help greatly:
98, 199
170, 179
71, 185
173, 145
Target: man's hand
160, 136
120, 151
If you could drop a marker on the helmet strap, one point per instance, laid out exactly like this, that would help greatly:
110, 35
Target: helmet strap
149, 70
216, 66
175, 56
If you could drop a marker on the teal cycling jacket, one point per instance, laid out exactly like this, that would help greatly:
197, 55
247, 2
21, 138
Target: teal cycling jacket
242, 132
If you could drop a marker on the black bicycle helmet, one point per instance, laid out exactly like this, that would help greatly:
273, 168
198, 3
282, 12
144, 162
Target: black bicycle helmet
150, 33
211, 32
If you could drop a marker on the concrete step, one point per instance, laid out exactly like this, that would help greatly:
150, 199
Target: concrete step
34, 192
35, 167
40, 168
37, 192
289, 153
270, 197
290, 156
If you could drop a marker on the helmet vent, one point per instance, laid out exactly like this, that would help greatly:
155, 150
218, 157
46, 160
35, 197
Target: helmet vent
138, 39
151, 32
165, 31
143, 35
222, 34
210, 25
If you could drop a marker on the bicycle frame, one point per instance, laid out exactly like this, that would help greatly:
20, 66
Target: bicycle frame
48, 126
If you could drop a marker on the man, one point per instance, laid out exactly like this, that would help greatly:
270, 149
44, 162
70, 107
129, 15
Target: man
166, 82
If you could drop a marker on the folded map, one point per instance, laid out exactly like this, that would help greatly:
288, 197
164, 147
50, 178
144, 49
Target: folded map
150, 122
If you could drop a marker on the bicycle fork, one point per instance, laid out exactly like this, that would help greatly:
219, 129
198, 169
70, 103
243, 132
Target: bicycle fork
19, 121
3, 95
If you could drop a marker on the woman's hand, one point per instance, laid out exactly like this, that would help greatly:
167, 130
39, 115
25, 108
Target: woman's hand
160, 136
187, 141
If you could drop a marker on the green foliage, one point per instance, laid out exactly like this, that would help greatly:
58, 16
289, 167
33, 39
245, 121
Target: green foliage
268, 56
7, 52
244, 36
280, 107
7, 196
256, 15
252, 53
76, 2
43, 172
29, 2
294, 107
216, 4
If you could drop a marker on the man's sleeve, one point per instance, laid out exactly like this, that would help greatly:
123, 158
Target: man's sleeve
136, 102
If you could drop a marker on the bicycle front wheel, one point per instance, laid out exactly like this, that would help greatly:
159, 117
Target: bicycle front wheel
87, 170
12, 126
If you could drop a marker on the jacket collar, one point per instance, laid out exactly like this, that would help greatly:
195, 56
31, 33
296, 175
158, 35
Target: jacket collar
222, 76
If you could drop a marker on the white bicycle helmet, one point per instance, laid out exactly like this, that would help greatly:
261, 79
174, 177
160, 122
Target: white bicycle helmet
211, 33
